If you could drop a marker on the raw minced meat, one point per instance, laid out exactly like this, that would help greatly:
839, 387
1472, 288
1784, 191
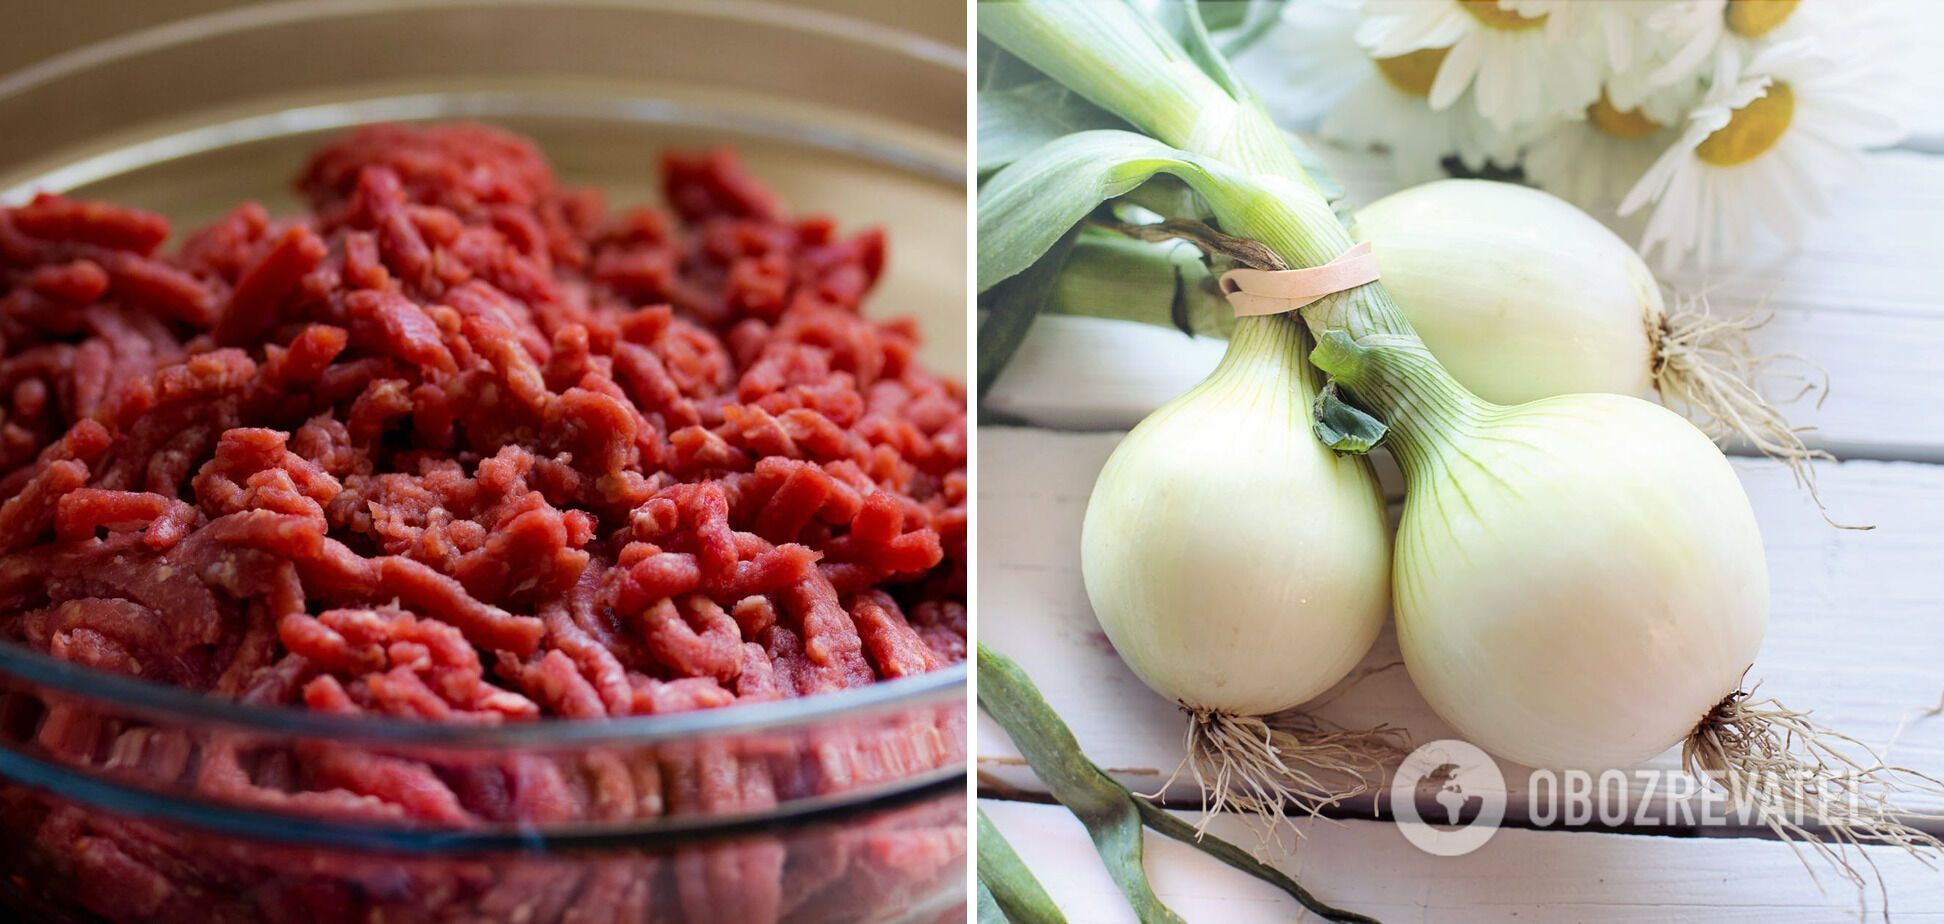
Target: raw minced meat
458, 445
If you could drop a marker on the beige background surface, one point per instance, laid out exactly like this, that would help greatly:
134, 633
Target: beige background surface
36, 29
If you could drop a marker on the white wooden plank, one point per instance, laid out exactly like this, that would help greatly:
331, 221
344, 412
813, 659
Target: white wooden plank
1098, 374
1518, 875
1855, 630
1860, 298
1922, 22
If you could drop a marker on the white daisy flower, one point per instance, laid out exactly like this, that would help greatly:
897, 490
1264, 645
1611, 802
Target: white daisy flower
1593, 161
1616, 24
1715, 38
1687, 32
1668, 62
1389, 110
1518, 71
1762, 151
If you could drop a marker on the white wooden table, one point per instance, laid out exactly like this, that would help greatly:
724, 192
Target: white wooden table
1856, 632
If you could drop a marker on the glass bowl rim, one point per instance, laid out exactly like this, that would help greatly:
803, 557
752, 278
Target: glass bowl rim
254, 823
158, 701
135, 697
827, 23
132, 696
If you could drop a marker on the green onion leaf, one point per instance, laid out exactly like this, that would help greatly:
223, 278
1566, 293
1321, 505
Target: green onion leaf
1343, 426
1014, 122
1012, 885
1108, 52
1000, 69
1127, 64
1104, 806
1184, 22
1007, 310
1169, 826
1112, 814
1035, 200
1167, 283
1021, 108
1239, 24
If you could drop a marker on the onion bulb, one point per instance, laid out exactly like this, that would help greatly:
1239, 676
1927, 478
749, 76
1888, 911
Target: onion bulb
1522, 296
1578, 579
1580, 583
1238, 566
1517, 293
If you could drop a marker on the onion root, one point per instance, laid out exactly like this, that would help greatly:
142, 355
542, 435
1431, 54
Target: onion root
1810, 785
1705, 363
1270, 768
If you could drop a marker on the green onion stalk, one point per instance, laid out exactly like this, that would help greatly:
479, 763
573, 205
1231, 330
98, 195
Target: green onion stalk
1578, 581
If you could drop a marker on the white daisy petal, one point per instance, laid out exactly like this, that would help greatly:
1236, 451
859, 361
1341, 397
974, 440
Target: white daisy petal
1789, 125
1684, 33
1591, 167
1460, 67
1377, 114
1521, 67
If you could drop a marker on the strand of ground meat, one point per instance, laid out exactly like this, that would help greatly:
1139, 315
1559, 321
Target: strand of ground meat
460, 446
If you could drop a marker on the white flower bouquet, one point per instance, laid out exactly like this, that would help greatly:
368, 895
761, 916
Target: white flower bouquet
1694, 127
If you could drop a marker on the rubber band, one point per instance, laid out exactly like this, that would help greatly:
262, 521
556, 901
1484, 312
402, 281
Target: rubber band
1258, 292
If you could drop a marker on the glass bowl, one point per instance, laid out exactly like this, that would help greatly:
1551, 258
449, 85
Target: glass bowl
847, 806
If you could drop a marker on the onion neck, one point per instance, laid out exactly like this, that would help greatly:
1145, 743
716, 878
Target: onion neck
1393, 376
1114, 56
1123, 62
1377, 359
1267, 353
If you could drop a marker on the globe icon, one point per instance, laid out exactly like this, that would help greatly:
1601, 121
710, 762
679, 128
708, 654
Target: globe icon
1461, 791
1451, 794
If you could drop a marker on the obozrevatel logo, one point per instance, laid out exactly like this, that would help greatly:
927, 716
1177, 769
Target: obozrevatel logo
1462, 790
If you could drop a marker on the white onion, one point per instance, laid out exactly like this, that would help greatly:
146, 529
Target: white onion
1517, 293
1578, 580
1580, 584
1237, 565
1522, 296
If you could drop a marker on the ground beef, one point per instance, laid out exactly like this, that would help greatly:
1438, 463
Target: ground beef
65, 863
459, 445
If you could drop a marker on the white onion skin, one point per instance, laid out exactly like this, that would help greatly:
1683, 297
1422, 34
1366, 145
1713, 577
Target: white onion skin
1517, 293
1236, 564
1578, 580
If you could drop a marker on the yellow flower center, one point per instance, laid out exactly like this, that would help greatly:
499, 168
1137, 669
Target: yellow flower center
1413, 71
1751, 130
1628, 124
1755, 18
1493, 16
